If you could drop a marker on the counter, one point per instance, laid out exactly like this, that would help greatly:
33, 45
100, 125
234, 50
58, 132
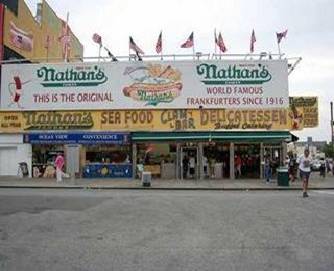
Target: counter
106, 170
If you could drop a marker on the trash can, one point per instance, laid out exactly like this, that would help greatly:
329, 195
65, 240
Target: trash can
218, 171
146, 178
23, 170
283, 176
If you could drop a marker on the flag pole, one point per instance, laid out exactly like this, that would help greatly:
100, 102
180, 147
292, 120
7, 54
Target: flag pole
100, 51
129, 49
161, 46
194, 57
215, 41
279, 49
66, 39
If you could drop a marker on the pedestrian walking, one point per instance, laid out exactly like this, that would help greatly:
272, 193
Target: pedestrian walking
59, 163
291, 167
305, 162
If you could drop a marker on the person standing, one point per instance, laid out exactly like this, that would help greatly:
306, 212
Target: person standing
305, 162
267, 168
205, 166
192, 163
185, 166
59, 163
238, 164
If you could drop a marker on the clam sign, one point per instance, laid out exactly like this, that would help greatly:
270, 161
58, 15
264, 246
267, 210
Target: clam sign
145, 85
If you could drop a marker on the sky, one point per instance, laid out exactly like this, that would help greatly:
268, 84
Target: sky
310, 34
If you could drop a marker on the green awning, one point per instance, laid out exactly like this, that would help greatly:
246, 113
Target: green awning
237, 136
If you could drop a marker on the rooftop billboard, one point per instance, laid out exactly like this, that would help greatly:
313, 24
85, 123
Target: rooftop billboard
145, 85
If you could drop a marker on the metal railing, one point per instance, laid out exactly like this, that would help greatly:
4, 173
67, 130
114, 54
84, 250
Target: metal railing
292, 62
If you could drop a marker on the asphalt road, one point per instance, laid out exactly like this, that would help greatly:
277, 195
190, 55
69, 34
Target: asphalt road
165, 230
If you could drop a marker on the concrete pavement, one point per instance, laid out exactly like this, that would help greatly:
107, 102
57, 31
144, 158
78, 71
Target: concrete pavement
72, 230
225, 184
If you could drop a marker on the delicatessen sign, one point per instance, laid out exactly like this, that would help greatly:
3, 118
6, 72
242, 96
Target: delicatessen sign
147, 120
149, 85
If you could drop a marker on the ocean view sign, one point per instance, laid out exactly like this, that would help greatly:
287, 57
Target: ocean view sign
145, 85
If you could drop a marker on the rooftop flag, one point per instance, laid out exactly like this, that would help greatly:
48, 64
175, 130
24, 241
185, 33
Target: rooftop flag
158, 47
252, 42
281, 35
189, 42
97, 39
221, 43
134, 46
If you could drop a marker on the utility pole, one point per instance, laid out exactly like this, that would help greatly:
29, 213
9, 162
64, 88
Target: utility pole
332, 128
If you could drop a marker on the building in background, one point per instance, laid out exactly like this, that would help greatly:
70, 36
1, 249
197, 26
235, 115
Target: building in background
41, 38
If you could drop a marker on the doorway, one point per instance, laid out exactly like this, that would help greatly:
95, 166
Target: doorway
189, 163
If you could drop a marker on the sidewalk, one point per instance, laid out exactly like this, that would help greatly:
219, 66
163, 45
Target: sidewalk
225, 184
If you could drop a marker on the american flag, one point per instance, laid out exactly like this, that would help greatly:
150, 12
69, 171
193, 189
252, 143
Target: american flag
158, 46
221, 44
189, 42
97, 39
134, 47
252, 42
65, 38
281, 35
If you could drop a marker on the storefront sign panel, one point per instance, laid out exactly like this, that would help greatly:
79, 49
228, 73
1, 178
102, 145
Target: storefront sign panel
304, 112
145, 85
147, 120
79, 138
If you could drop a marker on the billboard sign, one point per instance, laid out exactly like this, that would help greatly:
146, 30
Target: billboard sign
146, 120
138, 85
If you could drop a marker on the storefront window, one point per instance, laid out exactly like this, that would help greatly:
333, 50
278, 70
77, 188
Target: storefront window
247, 160
108, 154
43, 157
159, 159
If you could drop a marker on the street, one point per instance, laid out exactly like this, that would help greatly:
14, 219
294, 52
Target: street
165, 230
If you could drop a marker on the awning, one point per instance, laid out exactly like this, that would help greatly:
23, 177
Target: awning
237, 136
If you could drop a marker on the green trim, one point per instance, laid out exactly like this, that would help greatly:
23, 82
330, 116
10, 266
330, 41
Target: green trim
259, 136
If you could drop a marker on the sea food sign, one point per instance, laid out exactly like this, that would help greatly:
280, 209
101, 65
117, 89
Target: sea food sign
145, 85
146, 120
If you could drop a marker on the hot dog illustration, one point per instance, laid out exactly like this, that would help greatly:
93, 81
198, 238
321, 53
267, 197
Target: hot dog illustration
153, 84
15, 89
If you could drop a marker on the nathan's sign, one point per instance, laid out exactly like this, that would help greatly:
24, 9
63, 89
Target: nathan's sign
57, 120
247, 84
147, 120
255, 75
70, 77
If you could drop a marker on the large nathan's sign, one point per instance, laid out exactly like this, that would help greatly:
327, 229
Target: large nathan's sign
145, 85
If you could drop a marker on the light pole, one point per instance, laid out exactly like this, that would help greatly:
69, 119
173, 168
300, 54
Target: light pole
332, 129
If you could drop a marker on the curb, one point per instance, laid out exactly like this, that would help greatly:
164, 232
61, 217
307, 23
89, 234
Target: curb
164, 188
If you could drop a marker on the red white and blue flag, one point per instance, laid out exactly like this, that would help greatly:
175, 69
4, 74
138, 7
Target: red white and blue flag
189, 42
221, 44
281, 35
134, 46
158, 46
97, 39
252, 42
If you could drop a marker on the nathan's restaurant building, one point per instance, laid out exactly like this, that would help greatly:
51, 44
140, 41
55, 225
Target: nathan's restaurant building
179, 120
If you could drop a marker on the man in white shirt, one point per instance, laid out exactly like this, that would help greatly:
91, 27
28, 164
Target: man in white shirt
305, 162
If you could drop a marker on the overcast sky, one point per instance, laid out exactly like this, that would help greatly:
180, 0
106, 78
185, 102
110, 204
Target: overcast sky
310, 27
